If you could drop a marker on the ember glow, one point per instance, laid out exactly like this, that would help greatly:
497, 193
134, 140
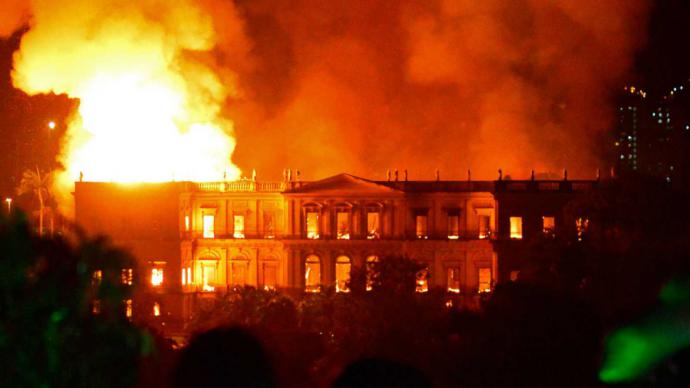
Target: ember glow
150, 95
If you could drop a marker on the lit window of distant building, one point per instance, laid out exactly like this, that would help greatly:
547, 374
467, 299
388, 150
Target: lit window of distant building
548, 225
516, 227
208, 275
209, 225
312, 274
189, 275
156, 309
128, 308
422, 281
127, 276
312, 225
186, 223
238, 226
421, 226
581, 226
342, 219
156, 277
239, 272
484, 226
371, 271
453, 225
484, 279
97, 277
269, 227
453, 279
342, 274
373, 225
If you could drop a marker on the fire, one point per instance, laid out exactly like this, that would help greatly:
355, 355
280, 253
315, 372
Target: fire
150, 90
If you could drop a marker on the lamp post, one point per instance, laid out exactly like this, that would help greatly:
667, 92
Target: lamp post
9, 205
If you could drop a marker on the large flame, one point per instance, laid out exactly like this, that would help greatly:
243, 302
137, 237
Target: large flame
150, 99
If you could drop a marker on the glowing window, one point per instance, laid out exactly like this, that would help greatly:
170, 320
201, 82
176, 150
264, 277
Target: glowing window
156, 277
156, 309
312, 274
453, 226
548, 225
516, 227
342, 225
373, 225
270, 276
484, 226
422, 281
581, 226
184, 276
238, 229
209, 225
239, 272
514, 275
453, 279
128, 308
189, 275
312, 225
342, 274
186, 223
371, 271
208, 275
484, 280
269, 228
421, 226
127, 276
97, 277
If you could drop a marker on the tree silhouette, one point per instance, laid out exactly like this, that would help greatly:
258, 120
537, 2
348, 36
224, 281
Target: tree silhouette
38, 184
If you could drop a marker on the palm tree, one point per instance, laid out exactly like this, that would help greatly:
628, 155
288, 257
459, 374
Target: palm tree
39, 185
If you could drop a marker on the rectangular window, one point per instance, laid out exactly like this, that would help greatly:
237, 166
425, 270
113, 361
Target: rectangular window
343, 225
127, 276
516, 227
453, 279
453, 226
548, 225
184, 277
581, 226
269, 228
421, 226
186, 223
484, 280
128, 308
270, 276
156, 277
312, 225
189, 275
238, 226
484, 226
239, 273
422, 281
373, 225
208, 276
209, 225
156, 309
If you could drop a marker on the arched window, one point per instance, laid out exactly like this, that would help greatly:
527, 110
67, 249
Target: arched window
312, 274
342, 274
370, 267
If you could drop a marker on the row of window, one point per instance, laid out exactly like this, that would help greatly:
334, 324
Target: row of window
238, 230
548, 225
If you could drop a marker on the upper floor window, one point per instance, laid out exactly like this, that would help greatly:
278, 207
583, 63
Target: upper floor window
184, 276
269, 227
156, 309
209, 226
342, 219
312, 274
453, 225
484, 226
156, 277
548, 225
238, 226
186, 223
127, 276
516, 227
312, 224
342, 274
484, 275
373, 225
453, 279
421, 225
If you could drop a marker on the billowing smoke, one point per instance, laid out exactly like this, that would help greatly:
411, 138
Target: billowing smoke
361, 86
357, 85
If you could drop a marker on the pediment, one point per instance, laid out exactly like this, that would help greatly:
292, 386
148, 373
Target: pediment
344, 184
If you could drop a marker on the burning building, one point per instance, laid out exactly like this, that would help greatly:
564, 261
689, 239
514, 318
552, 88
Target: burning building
195, 239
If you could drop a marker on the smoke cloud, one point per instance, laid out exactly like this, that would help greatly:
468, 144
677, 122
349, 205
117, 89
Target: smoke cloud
365, 85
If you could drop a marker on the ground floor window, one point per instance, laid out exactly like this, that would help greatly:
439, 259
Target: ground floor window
343, 266
312, 274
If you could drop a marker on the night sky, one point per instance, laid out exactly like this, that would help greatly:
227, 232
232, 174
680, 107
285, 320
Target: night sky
27, 142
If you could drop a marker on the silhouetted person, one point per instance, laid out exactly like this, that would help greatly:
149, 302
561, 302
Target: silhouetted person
224, 357
373, 372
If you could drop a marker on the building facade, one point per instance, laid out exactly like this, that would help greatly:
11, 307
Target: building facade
194, 240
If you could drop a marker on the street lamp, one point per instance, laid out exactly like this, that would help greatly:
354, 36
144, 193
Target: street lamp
9, 205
